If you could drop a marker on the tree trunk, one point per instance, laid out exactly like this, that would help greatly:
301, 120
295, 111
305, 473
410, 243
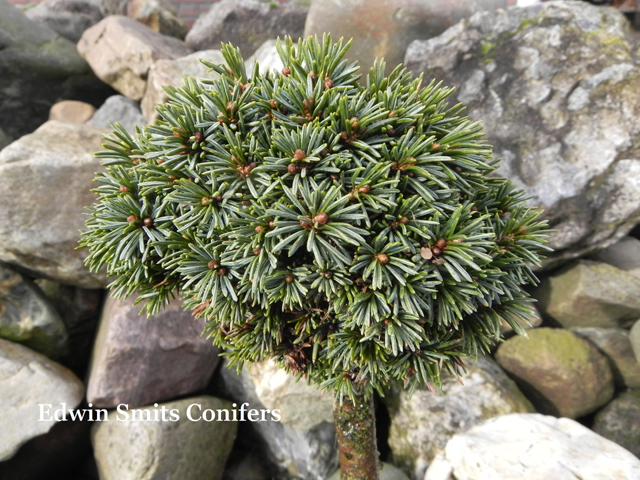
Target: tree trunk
356, 436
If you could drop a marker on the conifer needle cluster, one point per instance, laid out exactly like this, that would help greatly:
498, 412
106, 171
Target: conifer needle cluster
347, 227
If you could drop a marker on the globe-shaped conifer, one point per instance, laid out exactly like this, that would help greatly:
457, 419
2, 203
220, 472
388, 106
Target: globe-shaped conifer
348, 228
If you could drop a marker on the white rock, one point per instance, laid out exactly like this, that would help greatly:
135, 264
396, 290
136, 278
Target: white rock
28, 379
267, 58
536, 447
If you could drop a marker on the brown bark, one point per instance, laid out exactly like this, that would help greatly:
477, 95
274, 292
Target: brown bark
356, 436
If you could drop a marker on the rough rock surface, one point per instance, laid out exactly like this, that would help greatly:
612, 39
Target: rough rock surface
68, 18
267, 58
384, 28
590, 294
27, 316
247, 24
561, 373
615, 345
159, 15
619, 421
45, 183
139, 360
121, 50
37, 69
625, 255
26, 380
171, 72
422, 425
162, 450
556, 87
634, 338
387, 472
118, 109
534, 447
72, 111
302, 445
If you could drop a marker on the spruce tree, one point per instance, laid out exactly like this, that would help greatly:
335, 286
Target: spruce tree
349, 229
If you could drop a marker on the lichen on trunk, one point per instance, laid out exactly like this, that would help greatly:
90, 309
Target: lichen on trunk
356, 436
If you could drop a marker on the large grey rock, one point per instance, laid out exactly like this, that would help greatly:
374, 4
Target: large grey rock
624, 254
28, 379
246, 24
634, 338
37, 69
384, 28
422, 425
159, 15
534, 447
139, 360
118, 109
619, 421
302, 444
556, 87
561, 373
45, 183
127, 449
121, 51
68, 18
267, 58
590, 294
615, 345
172, 72
27, 316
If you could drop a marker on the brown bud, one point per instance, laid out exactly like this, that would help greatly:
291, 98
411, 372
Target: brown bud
222, 272
123, 189
272, 225
230, 106
292, 168
288, 278
300, 154
441, 243
382, 258
328, 274
257, 250
148, 222
474, 209
259, 229
404, 220
286, 71
199, 137
212, 264
364, 189
273, 103
435, 146
205, 201
334, 177
436, 251
177, 134
354, 122
218, 199
328, 83
132, 218
321, 218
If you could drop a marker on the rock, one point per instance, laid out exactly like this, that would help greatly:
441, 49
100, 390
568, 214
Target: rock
615, 345
634, 338
139, 360
561, 373
422, 425
302, 444
4, 139
545, 81
246, 24
57, 454
45, 182
79, 309
118, 109
620, 421
536, 447
159, 15
387, 472
27, 317
590, 294
267, 58
159, 450
625, 255
28, 379
72, 111
121, 51
245, 466
37, 69
68, 18
171, 72
385, 28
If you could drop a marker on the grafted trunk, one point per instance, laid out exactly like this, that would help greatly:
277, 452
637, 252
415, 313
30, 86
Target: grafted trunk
356, 436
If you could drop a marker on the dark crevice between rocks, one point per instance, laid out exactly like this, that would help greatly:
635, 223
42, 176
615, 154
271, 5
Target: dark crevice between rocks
383, 424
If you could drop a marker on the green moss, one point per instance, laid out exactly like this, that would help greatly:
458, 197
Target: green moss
527, 22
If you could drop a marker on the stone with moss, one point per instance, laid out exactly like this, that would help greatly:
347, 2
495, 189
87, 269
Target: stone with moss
562, 374
620, 421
